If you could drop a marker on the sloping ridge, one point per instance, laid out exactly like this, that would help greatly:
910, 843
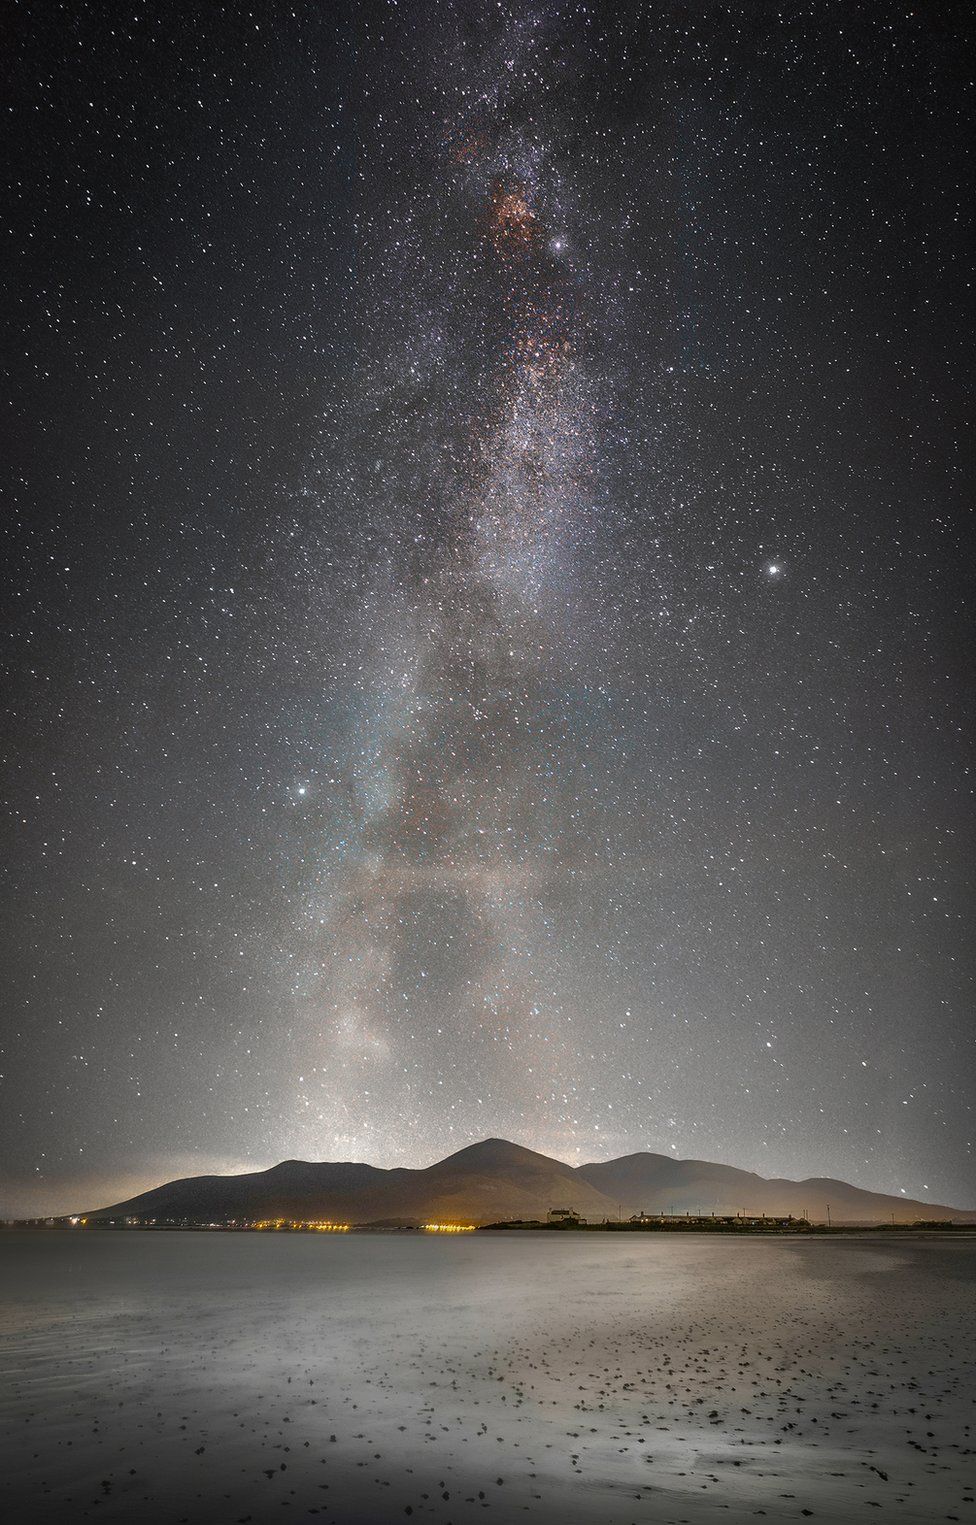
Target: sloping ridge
656, 1183
496, 1179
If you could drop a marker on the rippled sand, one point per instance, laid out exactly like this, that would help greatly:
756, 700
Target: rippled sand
201, 1378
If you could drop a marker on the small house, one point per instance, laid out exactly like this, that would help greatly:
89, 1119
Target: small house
560, 1216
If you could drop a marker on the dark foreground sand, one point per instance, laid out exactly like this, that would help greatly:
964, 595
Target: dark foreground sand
543, 1377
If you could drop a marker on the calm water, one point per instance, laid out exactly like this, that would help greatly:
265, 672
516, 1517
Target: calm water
200, 1378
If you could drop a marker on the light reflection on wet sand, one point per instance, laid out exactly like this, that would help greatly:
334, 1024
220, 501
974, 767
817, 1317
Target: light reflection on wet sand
194, 1377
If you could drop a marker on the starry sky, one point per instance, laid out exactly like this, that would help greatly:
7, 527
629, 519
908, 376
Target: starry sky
487, 575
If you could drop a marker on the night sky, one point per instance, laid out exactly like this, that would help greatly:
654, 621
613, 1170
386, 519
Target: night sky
486, 643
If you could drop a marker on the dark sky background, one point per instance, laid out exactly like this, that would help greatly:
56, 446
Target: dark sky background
486, 640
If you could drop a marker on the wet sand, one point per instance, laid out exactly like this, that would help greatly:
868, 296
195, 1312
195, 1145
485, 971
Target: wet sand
210, 1378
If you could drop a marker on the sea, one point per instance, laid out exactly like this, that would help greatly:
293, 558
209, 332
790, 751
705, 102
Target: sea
365, 1378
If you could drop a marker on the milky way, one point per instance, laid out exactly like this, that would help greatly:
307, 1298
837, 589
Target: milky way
436, 956
488, 650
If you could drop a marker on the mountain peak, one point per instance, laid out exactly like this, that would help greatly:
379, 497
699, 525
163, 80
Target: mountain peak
494, 1154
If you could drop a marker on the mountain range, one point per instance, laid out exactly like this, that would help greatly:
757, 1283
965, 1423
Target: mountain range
495, 1180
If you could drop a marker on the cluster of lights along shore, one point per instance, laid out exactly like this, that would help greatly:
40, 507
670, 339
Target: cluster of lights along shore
323, 1227
271, 1225
343, 1228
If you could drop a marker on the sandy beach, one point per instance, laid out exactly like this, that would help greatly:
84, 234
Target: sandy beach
195, 1377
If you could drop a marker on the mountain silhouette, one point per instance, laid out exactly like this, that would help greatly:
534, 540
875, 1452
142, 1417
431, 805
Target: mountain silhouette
496, 1179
